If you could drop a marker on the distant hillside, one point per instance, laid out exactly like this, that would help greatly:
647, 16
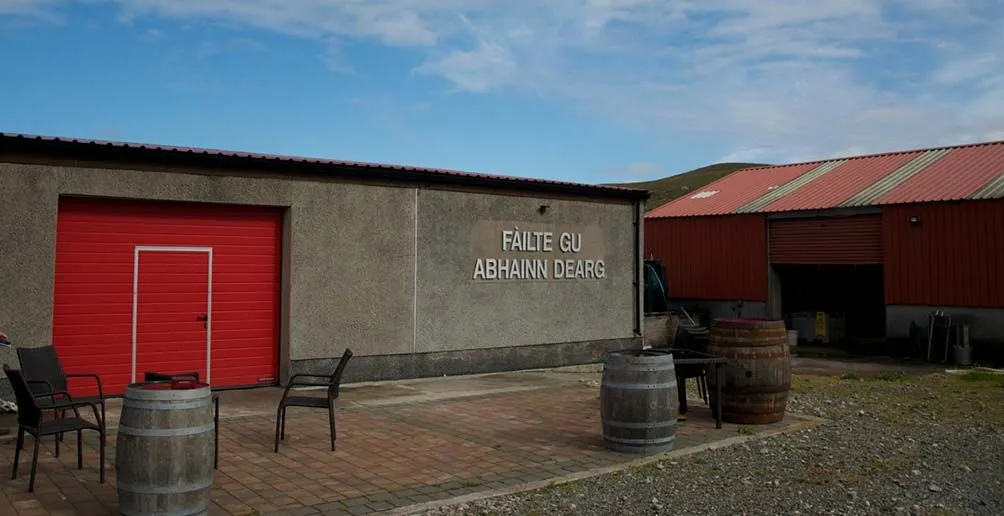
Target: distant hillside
669, 188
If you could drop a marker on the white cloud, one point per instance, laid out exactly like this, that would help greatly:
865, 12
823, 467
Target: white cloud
775, 80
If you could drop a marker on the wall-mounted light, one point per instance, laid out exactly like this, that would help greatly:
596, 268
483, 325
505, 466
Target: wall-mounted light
543, 208
914, 220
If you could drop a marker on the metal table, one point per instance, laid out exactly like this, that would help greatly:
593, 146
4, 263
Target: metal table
691, 357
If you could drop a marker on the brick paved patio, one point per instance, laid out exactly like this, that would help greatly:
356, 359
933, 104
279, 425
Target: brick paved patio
395, 448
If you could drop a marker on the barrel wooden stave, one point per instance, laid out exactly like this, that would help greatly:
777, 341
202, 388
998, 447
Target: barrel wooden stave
164, 452
758, 375
639, 402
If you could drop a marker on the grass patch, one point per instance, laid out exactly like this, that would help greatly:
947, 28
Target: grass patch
807, 382
982, 376
885, 376
745, 430
890, 376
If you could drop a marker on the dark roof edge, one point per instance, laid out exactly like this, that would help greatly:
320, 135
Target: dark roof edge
125, 152
877, 155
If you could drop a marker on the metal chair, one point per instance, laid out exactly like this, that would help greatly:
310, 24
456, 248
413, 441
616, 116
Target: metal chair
29, 419
44, 373
151, 376
334, 380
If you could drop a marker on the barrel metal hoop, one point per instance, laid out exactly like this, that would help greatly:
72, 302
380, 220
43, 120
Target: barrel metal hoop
164, 432
134, 391
661, 440
167, 405
625, 424
202, 510
168, 490
639, 386
650, 369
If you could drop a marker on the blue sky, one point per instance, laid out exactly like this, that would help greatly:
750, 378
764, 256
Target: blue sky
581, 90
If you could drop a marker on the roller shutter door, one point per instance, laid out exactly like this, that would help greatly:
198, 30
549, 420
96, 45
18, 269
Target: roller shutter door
172, 287
855, 240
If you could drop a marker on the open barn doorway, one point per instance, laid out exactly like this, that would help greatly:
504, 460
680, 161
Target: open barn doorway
834, 305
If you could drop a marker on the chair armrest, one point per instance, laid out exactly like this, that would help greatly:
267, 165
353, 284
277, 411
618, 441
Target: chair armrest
97, 379
44, 382
76, 404
294, 383
53, 394
293, 380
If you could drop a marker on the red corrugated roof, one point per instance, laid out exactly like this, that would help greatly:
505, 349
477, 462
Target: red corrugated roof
11, 142
955, 176
731, 192
938, 174
832, 188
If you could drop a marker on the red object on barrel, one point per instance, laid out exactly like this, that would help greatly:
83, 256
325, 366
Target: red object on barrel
176, 383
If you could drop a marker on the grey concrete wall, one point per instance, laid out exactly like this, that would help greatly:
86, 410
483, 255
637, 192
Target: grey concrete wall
457, 311
350, 260
985, 324
351, 253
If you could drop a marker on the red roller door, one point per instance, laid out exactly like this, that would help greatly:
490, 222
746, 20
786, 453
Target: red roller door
172, 287
855, 240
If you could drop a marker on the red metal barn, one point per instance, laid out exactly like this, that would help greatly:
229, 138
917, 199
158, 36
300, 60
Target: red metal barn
857, 251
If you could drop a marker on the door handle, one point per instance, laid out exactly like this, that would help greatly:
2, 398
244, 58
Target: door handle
204, 318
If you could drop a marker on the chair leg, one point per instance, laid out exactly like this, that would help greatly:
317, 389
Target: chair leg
282, 433
101, 431
216, 430
331, 423
278, 423
17, 450
34, 465
80, 449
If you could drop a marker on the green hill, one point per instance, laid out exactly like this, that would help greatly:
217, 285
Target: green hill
669, 188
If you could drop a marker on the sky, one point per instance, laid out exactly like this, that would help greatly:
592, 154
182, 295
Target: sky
578, 90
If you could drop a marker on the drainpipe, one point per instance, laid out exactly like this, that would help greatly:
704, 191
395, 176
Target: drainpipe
639, 267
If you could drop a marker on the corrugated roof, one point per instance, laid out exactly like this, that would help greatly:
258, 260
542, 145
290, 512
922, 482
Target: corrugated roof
971, 171
731, 192
851, 177
28, 144
889, 181
994, 189
957, 175
782, 193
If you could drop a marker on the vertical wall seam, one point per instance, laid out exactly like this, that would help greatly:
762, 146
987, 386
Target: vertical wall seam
414, 285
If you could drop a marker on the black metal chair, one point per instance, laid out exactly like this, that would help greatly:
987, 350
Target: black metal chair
29, 419
44, 373
693, 337
334, 380
151, 376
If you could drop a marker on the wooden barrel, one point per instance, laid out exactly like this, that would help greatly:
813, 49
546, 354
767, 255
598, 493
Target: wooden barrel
164, 449
638, 401
758, 374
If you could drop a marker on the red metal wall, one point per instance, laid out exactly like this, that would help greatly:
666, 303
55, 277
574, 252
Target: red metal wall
93, 314
953, 256
720, 258
827, 240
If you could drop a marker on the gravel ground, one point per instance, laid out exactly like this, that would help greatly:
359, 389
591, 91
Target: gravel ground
894, 444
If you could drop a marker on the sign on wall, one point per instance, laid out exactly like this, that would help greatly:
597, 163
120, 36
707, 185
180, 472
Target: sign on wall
520, 257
